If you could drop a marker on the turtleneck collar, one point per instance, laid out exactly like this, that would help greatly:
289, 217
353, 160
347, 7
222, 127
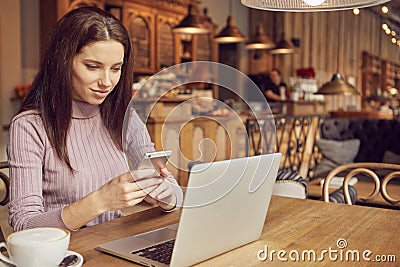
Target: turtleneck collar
83, 110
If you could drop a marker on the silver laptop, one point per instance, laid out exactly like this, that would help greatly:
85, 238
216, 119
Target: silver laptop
225, 206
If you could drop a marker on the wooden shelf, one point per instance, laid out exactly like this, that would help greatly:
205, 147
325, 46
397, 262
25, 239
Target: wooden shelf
379, 76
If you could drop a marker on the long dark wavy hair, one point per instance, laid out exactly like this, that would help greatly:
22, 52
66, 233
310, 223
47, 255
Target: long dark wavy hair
51, 91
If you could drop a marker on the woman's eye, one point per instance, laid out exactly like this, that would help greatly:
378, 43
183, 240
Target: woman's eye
91, 67
116, 68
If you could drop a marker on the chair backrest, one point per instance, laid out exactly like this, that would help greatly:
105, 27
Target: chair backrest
4, 178
371, 169
293, 136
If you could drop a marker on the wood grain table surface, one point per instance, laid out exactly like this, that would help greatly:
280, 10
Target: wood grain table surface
296, 232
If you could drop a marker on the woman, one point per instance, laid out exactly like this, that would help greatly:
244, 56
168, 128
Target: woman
65, 151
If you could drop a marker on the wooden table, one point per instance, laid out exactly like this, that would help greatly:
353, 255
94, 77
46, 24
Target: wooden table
291, 225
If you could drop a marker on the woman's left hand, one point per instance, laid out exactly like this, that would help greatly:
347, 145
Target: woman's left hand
163, 194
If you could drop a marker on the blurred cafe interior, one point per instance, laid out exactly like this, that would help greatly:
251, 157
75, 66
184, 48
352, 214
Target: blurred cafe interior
338, 100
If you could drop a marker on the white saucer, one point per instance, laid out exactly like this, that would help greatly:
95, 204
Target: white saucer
80, 258
78, 264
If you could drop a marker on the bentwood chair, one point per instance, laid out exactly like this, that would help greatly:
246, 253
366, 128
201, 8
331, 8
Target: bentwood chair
381, 174
4, 178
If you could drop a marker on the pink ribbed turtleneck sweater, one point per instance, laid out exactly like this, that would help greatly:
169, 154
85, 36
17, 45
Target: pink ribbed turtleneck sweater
41, 184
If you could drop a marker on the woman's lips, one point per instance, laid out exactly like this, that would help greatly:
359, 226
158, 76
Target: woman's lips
100, 93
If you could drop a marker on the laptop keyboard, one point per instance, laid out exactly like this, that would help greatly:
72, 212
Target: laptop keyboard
161, 252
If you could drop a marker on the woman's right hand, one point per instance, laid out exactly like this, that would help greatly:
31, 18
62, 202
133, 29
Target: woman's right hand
123, 191
127, 189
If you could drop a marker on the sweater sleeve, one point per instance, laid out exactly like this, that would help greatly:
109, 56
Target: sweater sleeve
177, 190
136, 139
137, 142
25, 151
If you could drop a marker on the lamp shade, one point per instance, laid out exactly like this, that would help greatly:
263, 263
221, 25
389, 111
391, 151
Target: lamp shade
337, 86
230, 34
307, 6
192, 23
284, 46
260, 41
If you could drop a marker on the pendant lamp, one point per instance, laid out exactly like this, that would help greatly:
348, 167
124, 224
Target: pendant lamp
310, 5
231, 33
192, 23
260, 41
337, 85
284, 46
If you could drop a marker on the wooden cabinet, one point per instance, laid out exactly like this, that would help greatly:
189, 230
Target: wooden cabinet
154, 43
165, 40
140, 23
63, 6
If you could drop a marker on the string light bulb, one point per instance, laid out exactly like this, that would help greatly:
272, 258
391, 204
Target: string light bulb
387, 31
385, 9
313, 2
385, 26
356, 11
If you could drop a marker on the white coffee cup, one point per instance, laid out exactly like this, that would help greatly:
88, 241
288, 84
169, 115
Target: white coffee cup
44, 247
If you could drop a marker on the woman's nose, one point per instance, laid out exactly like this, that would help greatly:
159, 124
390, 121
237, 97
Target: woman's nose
105, 79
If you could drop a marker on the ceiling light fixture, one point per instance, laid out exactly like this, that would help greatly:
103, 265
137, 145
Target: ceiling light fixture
260, 40
284, 46
337, 85
192, 23
230, 34
302, 6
